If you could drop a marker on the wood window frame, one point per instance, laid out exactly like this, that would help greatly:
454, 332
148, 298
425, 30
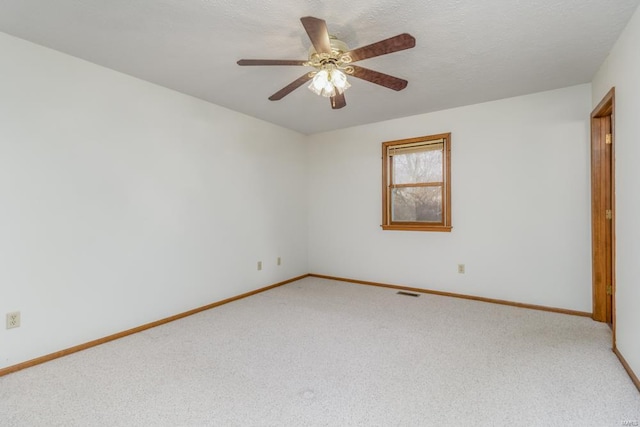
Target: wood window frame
445, 224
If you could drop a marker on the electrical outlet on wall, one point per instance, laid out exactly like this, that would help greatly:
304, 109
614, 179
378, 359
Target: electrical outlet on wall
259, 265
461, 268
13, 320
279, 261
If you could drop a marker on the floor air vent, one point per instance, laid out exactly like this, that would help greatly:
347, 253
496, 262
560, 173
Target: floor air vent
409, 294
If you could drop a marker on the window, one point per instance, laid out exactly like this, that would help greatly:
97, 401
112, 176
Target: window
416, 187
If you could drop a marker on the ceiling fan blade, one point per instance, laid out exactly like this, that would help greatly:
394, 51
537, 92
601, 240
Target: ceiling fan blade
379, 78
290, 87
318, 33
338, 101
270, 62
390, 45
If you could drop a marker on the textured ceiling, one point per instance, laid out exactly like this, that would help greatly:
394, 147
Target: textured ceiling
466, 51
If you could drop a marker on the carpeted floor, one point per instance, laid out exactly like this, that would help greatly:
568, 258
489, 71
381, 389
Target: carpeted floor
320, 352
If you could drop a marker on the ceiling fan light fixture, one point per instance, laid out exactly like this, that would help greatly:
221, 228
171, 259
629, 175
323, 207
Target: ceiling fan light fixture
321, 85
328, 82
339, 80
320, 80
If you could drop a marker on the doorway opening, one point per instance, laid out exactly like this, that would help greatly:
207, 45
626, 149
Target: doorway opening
602, 209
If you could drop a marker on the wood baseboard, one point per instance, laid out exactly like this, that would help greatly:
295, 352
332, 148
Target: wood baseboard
627, 368
454, 295
71, 350
65, 352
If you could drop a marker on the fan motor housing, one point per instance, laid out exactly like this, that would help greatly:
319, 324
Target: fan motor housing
338, 47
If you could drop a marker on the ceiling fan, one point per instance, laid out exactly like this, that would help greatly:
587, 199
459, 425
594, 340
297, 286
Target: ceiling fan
332, 62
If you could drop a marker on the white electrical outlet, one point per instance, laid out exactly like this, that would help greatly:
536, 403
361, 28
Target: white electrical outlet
279, 261
259, 265
461, 268
13, 320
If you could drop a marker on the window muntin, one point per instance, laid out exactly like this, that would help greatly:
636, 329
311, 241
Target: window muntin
416, 190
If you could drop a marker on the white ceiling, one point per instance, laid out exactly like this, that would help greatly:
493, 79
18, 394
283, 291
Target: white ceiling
466, 51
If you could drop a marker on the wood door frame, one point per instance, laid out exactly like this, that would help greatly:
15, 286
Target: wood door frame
599, 221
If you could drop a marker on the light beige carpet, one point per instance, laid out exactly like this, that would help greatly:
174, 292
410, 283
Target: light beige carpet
320, 352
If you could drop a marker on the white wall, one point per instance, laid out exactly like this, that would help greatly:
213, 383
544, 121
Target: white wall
520, 196
622, 70
122, 202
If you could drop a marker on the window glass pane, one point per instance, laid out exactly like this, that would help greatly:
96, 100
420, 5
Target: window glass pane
423, 166
416, 204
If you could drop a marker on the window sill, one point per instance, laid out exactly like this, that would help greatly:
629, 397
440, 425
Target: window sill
406, 227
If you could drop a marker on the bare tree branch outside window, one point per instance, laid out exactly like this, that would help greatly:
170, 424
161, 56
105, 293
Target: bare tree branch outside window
422, 203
